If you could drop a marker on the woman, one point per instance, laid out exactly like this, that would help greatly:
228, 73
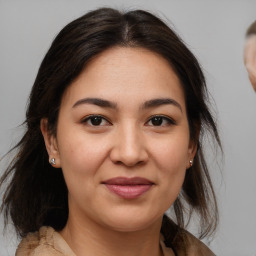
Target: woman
114, 139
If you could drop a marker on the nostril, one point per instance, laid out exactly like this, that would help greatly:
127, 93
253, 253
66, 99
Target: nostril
118, 162
129, 164
141, 163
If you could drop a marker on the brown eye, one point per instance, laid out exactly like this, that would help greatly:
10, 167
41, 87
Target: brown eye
157, 120
95, 121
160, 121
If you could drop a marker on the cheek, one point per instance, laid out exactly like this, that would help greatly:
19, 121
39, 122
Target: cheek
80, 154
80, 162
172, 155
171, 158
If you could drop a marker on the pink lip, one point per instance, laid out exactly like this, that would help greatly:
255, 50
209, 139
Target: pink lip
128, 188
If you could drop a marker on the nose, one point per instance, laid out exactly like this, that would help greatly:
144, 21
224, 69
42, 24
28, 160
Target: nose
129, 147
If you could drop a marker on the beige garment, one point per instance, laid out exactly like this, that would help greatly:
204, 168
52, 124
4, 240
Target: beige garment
192, 247
48, 242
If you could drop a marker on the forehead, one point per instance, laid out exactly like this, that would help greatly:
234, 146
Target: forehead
250, 48
130, 73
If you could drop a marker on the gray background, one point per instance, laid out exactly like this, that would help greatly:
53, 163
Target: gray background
214, 31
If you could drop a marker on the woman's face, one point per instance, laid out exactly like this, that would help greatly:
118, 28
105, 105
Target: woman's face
123, 140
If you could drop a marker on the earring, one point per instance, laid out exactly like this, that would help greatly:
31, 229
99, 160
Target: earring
191, 162
52, 161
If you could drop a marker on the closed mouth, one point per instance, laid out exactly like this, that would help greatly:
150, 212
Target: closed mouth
128, 188
128, 181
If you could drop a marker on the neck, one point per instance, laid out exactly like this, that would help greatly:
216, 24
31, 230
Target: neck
89, 238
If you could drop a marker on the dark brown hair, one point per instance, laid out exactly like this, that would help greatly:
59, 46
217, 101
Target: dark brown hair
36, 194
252, 29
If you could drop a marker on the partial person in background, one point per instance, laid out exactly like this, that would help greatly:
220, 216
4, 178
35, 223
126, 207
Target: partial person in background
250, 54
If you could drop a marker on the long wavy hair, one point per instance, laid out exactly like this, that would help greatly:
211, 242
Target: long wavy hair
35, 193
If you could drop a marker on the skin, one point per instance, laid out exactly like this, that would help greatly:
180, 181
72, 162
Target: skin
250, 59
127, 143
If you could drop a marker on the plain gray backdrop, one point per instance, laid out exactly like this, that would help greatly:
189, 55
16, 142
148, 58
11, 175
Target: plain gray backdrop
214, 31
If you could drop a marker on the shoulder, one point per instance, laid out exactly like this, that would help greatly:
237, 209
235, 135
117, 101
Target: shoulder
193, 246
182, 242
44, 242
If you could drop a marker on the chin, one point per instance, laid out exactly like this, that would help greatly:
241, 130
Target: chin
133, 222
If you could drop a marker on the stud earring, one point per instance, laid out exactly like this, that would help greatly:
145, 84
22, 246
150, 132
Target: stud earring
191, 162
52, 161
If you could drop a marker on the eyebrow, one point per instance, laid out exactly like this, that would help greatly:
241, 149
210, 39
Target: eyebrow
161, 101
96, 101
108, 104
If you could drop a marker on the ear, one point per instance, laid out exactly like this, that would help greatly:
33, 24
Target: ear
50, 143
192, 149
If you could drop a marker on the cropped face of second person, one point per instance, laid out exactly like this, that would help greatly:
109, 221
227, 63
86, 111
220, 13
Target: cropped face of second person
250, 59
122, 140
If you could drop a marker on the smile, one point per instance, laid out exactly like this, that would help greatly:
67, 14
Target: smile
128, 188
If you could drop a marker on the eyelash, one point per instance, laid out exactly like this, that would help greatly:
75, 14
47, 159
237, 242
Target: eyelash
162, 118
169, 120
89, 118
